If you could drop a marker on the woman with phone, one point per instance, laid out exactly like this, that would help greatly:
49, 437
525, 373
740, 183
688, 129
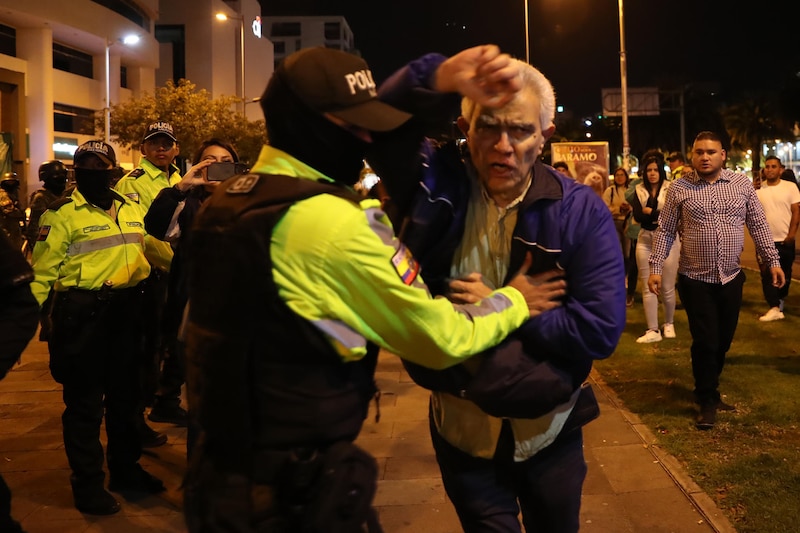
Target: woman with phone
170, 219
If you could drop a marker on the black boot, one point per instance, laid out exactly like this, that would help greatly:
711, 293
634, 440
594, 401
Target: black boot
91, 498
169, 411
149, 437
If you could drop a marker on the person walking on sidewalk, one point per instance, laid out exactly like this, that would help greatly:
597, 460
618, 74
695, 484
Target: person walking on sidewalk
781, 202
90, 251
710, 207
647, 204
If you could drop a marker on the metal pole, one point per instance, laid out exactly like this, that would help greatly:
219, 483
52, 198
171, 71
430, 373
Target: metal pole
241, 58
623, 78
108, 92
527, 37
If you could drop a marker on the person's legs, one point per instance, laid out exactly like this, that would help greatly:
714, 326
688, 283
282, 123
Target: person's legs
770, 293
481, 490
668, 279
633, 273
787, 254
729, 302
649, 300
699, 301
549, 486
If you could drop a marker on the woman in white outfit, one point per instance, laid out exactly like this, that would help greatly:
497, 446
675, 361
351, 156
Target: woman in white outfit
647, 204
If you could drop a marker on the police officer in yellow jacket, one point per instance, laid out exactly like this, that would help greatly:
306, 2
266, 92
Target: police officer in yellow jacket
155, 172
91, 252
294, 282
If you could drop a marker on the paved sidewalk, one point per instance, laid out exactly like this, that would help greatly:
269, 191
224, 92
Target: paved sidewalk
632, 485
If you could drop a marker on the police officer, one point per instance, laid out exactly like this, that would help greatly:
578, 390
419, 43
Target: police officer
293, 277
12, 217
91, 252
155, 172
53, 174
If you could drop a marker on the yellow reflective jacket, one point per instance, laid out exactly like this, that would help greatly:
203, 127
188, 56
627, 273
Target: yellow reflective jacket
142, 185
81, 246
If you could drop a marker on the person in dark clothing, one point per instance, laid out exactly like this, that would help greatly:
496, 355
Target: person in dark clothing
53, 175
19, 316
170, 219
295, 280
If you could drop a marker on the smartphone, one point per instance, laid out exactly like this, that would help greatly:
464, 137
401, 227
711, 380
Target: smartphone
224, 170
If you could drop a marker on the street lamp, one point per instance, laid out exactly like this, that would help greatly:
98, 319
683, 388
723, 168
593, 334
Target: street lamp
127, 40
222, 16
623, 79
527, 38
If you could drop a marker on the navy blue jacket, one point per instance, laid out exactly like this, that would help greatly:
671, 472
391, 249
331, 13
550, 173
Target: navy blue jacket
561, 222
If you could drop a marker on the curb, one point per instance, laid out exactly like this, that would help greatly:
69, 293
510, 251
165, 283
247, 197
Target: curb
704, 504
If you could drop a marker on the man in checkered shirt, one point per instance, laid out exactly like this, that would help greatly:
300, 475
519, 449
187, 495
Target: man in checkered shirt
709, 208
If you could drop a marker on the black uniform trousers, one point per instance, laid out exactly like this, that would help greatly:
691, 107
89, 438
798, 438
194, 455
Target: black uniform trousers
775, 295
94, 355
713, 314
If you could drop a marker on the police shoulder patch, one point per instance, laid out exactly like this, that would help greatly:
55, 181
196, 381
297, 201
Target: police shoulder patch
136, 173
243, 184
44, 231
406, 266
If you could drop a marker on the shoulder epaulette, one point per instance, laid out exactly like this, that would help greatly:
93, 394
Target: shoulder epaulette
136, 173
58, 204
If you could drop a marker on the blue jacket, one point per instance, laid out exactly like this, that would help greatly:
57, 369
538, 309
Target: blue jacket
561, 222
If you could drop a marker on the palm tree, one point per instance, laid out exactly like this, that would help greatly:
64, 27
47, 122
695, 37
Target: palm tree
749, 121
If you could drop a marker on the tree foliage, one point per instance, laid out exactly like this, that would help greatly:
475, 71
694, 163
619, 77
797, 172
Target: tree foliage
194, 115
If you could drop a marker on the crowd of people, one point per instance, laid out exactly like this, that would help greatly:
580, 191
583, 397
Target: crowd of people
497, 279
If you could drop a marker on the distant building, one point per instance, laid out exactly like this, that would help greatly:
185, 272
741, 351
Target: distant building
290, 34
53, 76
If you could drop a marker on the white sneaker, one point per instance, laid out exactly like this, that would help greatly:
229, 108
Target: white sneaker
649, 336
773, 314
669, 331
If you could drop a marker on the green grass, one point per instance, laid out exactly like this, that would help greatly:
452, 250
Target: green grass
750, 462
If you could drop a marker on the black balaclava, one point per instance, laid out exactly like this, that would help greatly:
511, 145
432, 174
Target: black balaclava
308, 136
56, 185
95, 186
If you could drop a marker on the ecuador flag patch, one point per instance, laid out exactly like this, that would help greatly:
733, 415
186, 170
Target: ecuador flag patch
406, 266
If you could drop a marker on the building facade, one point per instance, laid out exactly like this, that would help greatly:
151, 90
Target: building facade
62, 61
290, 34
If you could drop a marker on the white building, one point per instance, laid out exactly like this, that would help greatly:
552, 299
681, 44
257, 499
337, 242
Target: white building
53, 74
290, 34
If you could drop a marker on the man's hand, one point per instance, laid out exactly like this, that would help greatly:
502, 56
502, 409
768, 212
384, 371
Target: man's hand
542, 291
468, 289
654, 283
778, 277
481, 73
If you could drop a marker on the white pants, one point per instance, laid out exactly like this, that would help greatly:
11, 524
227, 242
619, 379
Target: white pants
669, 276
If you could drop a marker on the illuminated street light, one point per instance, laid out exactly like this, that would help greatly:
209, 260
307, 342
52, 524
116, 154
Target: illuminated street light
223, 17
127, 40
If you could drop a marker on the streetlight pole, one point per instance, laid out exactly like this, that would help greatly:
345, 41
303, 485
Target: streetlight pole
527, 36
623, 78
223, 16
107, 110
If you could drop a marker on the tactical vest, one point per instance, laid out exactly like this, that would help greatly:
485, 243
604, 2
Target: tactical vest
261, 377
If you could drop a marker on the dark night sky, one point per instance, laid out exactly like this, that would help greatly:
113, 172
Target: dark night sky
576, 42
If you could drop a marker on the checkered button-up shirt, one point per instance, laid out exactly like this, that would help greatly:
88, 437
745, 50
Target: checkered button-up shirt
710, 218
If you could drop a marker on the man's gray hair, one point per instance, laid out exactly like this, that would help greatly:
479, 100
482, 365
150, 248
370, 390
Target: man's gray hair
532, 80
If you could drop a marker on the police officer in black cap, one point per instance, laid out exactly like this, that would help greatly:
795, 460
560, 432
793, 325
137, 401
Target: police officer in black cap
54, 176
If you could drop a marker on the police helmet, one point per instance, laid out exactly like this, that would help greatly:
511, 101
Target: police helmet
9, 181
53, 171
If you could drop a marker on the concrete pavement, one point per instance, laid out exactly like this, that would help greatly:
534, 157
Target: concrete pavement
632, 485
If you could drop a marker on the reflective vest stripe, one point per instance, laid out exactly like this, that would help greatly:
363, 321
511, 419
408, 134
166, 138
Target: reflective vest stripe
103, 243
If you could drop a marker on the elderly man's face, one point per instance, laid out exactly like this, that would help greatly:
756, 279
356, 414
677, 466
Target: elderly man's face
504, 143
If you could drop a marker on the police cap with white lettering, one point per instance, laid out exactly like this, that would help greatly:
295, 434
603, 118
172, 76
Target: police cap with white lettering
97, 148
159, 128
339, 83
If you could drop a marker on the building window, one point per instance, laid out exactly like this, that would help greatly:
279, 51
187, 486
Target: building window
285, 29
333, 31
71, 60
123, 77
176, 36
70, 119
8, 40
129, 10
279, 47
